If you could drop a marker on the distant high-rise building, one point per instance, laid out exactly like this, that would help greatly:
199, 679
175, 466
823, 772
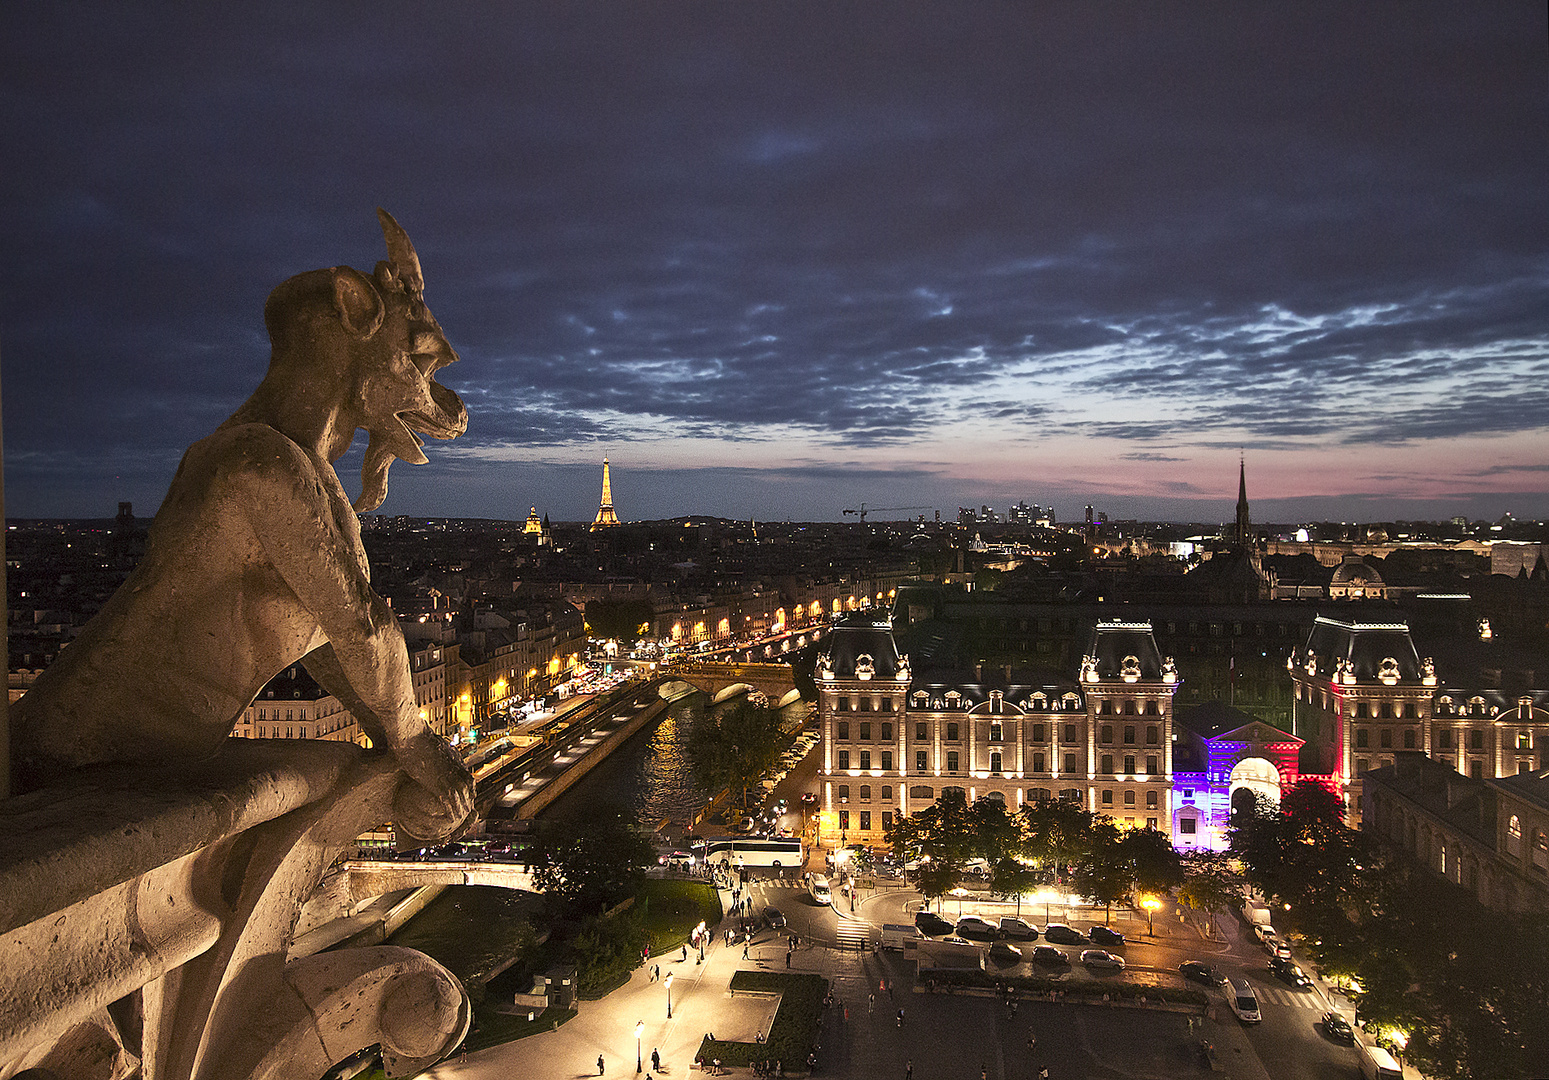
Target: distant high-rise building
606, 518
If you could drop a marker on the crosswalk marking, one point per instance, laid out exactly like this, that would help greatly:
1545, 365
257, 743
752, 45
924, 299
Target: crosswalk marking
854, 933
1296, 999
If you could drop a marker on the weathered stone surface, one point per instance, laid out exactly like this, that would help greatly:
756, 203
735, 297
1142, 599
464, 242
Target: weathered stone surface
254, 561
155, 868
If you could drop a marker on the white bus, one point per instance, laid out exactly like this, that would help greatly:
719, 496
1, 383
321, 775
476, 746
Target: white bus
777, 852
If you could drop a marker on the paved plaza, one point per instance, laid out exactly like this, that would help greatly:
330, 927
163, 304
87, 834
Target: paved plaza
957, 1036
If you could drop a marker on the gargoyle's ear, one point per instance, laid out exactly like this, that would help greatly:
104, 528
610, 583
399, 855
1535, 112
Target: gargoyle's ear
357, 301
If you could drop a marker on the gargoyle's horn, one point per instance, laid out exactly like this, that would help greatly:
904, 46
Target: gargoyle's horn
401, 251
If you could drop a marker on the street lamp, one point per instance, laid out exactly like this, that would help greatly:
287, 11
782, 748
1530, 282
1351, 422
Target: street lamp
639, 1031
1150, 903
959, 892
1046, 895
668, 982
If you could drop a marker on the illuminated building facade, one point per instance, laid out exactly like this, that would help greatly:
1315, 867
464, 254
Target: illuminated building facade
894, 740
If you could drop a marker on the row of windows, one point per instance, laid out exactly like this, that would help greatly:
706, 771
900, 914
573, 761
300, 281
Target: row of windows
865, 820
1385, 710
1039, 732
1474, 741
884, 759
843, 792
863, 705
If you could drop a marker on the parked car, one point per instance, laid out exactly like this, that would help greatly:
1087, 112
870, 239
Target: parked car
1102, 958
1201, 972
774, 918
973, 927
930, 924
1006, 953
1016, 928
1048, 954
1105, 935
1338, 1028
1278, 947
1063, 934
1290, 971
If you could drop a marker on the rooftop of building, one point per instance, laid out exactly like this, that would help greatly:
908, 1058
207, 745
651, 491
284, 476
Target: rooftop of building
1462, 802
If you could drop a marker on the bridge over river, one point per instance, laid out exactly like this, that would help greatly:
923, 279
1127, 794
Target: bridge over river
723, 681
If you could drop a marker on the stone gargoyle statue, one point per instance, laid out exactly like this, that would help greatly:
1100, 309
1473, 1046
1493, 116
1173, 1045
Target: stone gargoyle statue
254, 560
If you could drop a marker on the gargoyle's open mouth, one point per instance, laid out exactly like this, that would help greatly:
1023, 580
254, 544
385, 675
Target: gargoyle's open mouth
400, 440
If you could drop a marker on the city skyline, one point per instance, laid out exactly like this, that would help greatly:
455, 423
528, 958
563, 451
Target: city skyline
775, 262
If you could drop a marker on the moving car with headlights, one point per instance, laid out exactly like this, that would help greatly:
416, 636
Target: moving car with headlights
1290, 971
1337, 1027
820, 891
774, 918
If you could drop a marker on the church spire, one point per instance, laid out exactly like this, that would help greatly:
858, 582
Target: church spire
1244, 536
606, 518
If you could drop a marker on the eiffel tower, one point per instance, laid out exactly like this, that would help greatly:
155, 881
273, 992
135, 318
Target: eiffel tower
606, 518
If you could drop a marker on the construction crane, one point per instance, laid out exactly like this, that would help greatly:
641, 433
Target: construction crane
864, 510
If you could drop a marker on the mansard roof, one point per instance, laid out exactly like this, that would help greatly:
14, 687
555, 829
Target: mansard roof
863, 635
1113, 640
1363, 646
1216, 721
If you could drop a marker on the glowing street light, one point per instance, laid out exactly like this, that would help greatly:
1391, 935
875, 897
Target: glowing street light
668, 982
960, 892
1046, 895
1150, 903
639, 1031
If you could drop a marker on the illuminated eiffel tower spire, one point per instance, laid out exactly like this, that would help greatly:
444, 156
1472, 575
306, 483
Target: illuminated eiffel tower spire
606, 518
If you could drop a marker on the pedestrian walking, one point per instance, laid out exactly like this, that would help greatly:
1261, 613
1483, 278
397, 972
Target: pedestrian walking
871, 1003
984, 1071
744, 950
656, 1060
909, 1069
900, 1018
599, 1065
1043, 1073
685, 954
787, 959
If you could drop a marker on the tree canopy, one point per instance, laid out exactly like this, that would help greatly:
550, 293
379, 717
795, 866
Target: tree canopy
735, 748
586, 868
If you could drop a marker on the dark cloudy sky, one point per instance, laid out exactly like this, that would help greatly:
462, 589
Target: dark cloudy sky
775, 259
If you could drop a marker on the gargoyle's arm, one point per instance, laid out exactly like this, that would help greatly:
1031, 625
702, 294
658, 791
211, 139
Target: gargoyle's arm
366, 663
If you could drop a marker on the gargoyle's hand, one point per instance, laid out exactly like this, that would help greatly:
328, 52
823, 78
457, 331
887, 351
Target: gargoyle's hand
433, 804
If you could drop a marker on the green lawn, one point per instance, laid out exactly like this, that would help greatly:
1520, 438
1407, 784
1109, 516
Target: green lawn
671, 908
493, 1028
794, 1030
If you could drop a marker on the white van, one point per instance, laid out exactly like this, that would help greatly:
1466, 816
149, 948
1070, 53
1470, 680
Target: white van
819, 889
1242, 999
1378, 1064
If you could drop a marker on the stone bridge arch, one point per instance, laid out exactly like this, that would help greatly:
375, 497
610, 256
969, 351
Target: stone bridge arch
723, 681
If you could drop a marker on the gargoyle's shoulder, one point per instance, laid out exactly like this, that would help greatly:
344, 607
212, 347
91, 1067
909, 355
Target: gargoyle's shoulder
252, 451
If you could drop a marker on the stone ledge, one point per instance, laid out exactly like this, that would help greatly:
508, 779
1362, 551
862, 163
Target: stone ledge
114, 824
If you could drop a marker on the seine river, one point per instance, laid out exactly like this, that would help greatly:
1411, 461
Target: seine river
471, 929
